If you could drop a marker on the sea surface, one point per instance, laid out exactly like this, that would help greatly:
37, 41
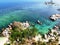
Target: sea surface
29, 11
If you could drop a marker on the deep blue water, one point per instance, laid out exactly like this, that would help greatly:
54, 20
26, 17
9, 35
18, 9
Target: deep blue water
31, 12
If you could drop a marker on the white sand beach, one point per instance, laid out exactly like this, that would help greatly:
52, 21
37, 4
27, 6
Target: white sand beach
3, 40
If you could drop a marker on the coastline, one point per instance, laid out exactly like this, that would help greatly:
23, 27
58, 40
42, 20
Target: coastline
16, 25
48, 36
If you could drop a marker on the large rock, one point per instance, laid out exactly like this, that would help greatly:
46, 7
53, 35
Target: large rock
55, 17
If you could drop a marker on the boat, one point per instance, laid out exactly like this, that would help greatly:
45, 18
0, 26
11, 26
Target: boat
38, 22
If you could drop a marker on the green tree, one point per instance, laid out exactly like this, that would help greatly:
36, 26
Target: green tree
19, 35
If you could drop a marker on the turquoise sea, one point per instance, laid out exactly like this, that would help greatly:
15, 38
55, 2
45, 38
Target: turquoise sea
31, 12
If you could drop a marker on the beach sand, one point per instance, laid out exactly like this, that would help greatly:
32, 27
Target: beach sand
3, 40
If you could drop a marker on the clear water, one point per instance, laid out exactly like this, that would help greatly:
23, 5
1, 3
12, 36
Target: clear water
28, 12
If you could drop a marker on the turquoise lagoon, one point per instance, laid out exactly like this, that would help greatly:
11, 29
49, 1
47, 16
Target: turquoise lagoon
28, 12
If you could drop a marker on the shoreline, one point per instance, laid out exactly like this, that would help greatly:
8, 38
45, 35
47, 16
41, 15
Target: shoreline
49, 35
36, 25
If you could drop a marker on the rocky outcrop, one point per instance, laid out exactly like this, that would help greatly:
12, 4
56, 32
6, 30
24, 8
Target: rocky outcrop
55, 17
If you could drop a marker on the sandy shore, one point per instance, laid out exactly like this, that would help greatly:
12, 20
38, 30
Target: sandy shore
3, 40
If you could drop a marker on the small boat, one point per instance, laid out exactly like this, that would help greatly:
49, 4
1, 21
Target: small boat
38, 22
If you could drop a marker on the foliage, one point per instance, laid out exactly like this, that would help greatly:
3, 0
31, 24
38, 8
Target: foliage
19, 35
